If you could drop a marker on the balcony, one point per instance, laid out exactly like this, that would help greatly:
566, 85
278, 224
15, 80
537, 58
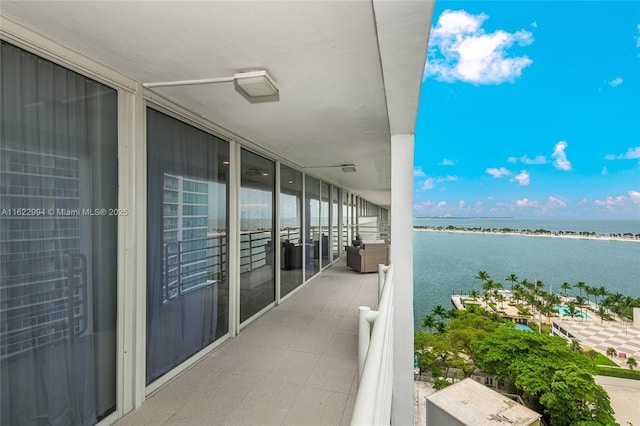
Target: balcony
296, 365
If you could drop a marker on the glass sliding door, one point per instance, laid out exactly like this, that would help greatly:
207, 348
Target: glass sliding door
58, 247
346, 240
257, 237
324, 225
335, 225
290, 229
312, 226
187, 276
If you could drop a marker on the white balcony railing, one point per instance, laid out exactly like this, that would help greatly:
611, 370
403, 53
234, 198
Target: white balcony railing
375, 357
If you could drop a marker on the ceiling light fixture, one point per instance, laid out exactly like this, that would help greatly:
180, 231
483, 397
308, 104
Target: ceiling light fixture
254, 86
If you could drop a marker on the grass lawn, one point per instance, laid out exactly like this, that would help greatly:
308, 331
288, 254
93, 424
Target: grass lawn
603, 360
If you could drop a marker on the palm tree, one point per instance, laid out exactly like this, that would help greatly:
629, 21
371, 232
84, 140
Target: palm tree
500, 298
631, 362
575, 346
571, 307
602, 312
429, 322
611, 352
547, 309
473, 293
440, 311
591, 354
513, 278
483, 276
538, 285
565, 286
600, 291
580, 286
580, 301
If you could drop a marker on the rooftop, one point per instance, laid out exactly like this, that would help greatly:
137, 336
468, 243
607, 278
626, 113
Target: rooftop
474, 404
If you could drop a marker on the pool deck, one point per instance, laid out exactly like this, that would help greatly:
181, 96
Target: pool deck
602, 335
591, 332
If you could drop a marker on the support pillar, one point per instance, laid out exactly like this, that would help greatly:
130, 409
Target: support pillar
402, 258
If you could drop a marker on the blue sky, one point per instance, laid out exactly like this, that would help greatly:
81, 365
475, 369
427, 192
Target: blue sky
530, 109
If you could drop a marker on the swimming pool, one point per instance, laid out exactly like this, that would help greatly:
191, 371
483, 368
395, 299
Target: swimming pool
523, 327
564, 311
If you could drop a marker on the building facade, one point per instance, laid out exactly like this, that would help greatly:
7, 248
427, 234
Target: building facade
141, 226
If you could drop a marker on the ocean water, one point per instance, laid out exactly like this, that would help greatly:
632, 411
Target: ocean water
446, 263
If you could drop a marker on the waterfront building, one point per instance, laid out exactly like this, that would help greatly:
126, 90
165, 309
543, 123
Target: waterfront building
166, 240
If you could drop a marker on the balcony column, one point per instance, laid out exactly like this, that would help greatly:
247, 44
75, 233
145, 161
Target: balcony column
401, 257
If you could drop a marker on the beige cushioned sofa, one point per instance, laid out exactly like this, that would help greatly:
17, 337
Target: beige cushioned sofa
368, 256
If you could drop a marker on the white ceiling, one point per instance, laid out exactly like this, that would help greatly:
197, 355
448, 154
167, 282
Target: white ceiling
328, 58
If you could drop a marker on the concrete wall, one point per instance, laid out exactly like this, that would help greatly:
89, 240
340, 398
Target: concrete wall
438, 417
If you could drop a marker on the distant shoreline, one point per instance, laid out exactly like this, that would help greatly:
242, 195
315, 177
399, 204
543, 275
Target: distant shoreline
526, 233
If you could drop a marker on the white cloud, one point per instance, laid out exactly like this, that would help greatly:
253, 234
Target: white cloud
428, 184
621, 204
540, 159
556, 202
534, 24
461, 204
417, 172
460, 49
553, 202
612, 201
604, 171
560, 157
423, 205
522, 178
512, 160
615, 82
498, 173
525, 202
447, 178
446, 162
442, 204
631, 154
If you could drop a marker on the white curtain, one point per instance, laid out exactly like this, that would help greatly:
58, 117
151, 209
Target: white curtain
187, 285
58, 157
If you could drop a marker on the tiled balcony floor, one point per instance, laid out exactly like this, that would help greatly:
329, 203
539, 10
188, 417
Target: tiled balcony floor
294, 366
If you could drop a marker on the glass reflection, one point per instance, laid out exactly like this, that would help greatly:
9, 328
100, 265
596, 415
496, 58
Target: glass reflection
187, 284
290, 229
257, 283
324, 224
312, 226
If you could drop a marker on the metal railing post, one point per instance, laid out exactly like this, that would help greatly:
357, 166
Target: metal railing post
375, 358
364, 337
382, 277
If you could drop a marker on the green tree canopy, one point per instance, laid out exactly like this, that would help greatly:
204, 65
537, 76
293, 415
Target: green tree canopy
574, 397
545, 371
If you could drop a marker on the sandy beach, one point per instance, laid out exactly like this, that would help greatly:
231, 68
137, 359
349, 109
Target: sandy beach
531, 234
